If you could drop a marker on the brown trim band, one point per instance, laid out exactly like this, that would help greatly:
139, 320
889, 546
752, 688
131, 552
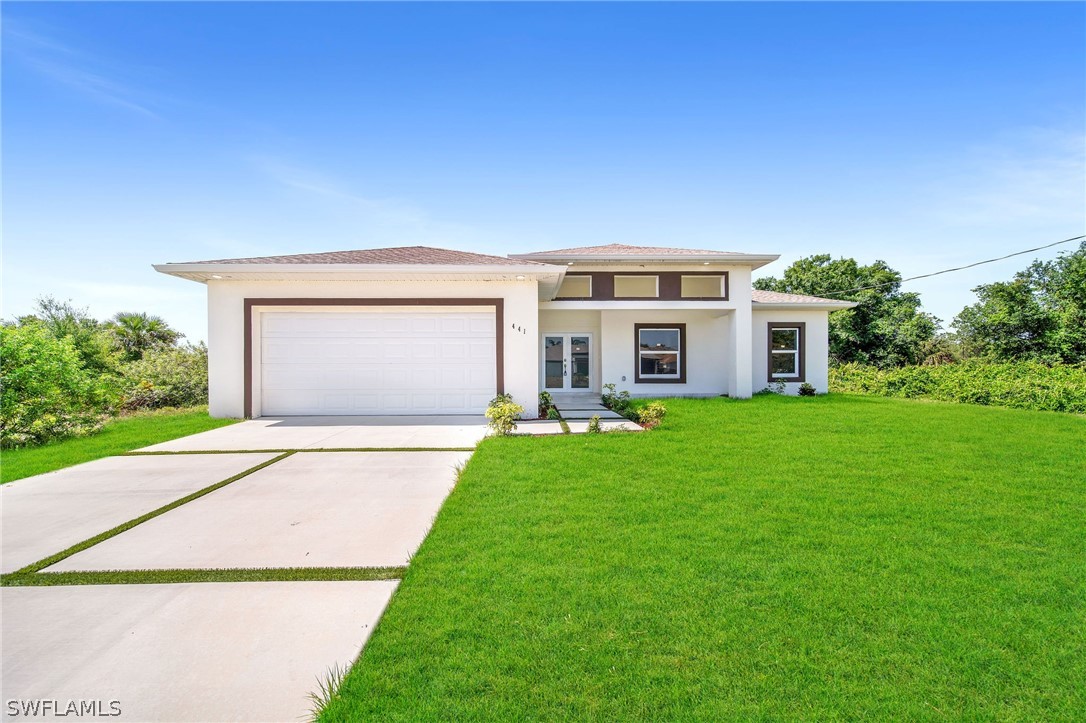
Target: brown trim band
670, 286
638, 379
802, 326
499, 328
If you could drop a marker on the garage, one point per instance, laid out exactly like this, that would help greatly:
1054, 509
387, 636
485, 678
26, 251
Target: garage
377, 361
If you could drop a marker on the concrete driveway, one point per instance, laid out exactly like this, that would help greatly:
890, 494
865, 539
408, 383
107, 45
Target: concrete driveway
218, 651
335, 433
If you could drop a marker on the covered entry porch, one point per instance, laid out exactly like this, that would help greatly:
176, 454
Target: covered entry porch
648, 352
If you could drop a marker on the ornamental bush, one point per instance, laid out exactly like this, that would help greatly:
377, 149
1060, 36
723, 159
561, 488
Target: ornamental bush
503, 414
1023, 384
47, 392
651, 415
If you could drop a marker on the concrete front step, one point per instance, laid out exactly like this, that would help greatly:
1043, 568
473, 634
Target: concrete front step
588, 414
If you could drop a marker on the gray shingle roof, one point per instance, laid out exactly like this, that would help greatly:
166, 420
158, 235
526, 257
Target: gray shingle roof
776, 297
421, 255
628, 250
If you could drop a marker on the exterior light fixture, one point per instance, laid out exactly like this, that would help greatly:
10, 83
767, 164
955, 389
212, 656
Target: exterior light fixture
521, 277
215, 276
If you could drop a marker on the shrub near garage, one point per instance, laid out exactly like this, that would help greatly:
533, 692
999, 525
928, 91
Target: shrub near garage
166, 377
47, 392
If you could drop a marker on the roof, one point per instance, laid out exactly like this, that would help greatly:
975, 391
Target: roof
627, 253
759, 296
628, 250
409, 255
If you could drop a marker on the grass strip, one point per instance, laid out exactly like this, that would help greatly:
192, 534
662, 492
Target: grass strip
101, 537
308, 449
153, 577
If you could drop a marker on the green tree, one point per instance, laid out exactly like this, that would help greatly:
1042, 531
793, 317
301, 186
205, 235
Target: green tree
1039, 315
136, 333
1007, 323
90, 338
886, 328
46, 391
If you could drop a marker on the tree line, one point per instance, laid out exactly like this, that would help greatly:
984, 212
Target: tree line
1039, 315
63, 372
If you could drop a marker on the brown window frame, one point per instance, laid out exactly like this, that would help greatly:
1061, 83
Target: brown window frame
591, 289
801, 361
669, 286
647, 275
638, 379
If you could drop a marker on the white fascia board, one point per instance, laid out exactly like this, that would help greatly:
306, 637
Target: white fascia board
820, 306
753, 260
241, 271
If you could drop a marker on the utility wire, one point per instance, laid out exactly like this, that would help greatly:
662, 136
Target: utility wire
957, 268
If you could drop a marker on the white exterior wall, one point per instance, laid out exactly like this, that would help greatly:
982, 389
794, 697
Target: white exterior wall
707, 351
226, 309
816, 340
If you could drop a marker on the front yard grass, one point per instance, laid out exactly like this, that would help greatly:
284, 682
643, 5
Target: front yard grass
116, 437
820, 558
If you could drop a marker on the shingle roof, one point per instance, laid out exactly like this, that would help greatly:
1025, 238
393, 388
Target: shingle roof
422, 255
777, 297
628, 250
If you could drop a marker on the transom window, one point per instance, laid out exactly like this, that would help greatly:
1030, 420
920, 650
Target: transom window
637, 287
575, 287
661, 353
786, 352
703, 287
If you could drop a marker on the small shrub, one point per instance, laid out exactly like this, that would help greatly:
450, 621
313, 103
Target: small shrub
594, 425
777, 387
651, 415
618, 402
546, 405
503, 413
552, 413
806, 390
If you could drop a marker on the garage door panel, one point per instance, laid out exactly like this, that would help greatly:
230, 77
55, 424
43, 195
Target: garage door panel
377, 363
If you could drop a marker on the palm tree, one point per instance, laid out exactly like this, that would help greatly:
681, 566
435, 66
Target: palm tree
136, 333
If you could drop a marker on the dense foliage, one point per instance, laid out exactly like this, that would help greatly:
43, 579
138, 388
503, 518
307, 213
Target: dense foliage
64, 371
1023, 384
885, 329
166, 377
47, 390
1039, 315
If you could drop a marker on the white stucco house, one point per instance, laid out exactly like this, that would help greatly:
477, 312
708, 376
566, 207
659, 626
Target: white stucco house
420, 330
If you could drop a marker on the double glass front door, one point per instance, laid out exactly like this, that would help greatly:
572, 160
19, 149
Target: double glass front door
567, 362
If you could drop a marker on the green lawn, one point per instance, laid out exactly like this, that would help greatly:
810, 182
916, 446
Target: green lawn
118, 435
782, 558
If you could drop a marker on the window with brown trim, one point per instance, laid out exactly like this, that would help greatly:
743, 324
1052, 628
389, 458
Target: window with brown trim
660, 353
702, 286
575, 286
637, 287
787, 351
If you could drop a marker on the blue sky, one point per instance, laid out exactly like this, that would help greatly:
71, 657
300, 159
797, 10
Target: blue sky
925, 134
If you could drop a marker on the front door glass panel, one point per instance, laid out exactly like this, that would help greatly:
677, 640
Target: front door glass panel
579, 362
567, 362
554, 362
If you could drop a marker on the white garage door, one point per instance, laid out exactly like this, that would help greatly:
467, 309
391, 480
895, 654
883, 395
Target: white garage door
376, 362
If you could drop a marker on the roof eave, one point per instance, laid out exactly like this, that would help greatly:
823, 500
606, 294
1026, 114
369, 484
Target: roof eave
753, 260
241, 270
813, 305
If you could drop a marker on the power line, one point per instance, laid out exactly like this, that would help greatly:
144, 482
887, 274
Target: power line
956, 268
